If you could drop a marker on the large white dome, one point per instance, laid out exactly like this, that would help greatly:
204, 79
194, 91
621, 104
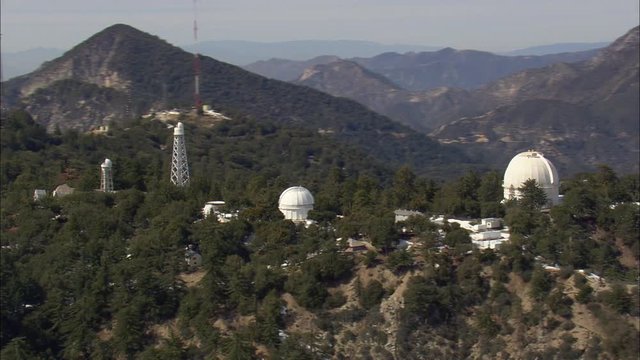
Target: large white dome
295, 203
531, 165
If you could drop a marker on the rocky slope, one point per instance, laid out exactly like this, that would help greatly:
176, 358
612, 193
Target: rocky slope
287, 70
382, 333
348, 79
62, 93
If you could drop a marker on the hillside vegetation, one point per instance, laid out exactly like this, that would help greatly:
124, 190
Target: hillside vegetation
102, 275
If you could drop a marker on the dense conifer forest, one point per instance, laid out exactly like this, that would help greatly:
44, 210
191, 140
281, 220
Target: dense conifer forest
103, 275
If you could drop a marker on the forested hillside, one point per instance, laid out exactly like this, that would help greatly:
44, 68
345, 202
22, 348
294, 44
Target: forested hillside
103, 275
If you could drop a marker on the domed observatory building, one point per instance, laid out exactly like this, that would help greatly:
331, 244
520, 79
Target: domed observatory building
531, 165
295, 203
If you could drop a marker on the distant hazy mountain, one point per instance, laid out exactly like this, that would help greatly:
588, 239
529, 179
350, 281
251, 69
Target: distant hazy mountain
465, 69
348, 79
22, 62
557, 48
121, 72
421, 110
247, 52
580, 114
286, 70
426, 89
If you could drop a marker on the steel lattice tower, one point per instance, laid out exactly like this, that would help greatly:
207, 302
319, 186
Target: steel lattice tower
106, 176
179, 165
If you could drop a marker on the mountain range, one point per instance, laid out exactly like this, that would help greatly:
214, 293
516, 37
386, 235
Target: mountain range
418, 71
581, 113
242, 53
122, 72
247, 52
22, 62
557, 48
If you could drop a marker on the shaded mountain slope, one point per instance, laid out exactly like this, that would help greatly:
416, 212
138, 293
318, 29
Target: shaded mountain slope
594, 102
286, 70
584, 113
125, 63
420, 110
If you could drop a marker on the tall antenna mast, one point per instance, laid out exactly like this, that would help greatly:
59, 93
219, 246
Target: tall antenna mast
196, 63
179, 165
2, 103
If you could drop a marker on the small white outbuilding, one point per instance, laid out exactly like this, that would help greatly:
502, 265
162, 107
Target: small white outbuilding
63, 190
212, 207
192, 258
39, 194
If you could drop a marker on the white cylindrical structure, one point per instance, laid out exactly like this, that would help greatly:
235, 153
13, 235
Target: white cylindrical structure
295, 203
178, 130
106, 176
212, 207
531, 165
179, 164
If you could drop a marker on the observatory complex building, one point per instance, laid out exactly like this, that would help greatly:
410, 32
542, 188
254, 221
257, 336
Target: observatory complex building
295, 203
531, 165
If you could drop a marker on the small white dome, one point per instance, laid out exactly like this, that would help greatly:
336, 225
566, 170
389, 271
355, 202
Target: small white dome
106, 163
531, 165
295, 203
179, 129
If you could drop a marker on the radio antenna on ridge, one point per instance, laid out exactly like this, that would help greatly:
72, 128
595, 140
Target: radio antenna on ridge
196, 62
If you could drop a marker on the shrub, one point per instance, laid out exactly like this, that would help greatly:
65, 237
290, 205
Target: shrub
336, 300
371, 294
399, 261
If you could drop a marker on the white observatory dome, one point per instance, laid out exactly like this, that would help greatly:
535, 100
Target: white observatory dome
179, 129
531, 165
107, 163
295, 203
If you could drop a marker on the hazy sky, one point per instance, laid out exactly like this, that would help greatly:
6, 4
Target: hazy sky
494, 25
